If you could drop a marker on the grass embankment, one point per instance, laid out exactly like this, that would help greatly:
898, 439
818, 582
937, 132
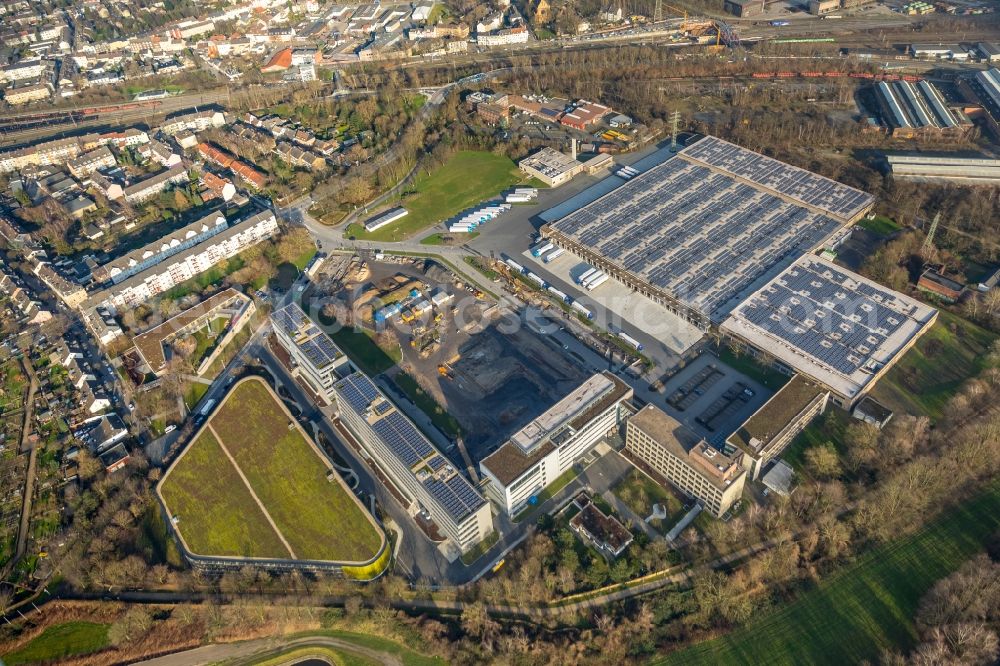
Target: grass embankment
864, 607
466, 179
215, 512
60, 641
923, 381
428, 405
323, 654
404, 654
319, 518
881, 225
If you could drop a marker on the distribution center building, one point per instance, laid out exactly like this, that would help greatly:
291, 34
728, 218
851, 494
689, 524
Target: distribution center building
703, 229
835, 327
547, 447
415, 468
551, 167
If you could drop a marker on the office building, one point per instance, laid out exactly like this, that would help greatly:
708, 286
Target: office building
317, 360
549, 445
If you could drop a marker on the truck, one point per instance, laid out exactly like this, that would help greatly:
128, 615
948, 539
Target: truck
553, 254
560, 294
779, 24
586, 276
542, 248
514, 266
582, 309
597, 282
537, 280
203, 412
629, 339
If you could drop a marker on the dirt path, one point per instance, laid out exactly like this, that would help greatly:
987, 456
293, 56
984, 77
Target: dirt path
256, 499
29, 478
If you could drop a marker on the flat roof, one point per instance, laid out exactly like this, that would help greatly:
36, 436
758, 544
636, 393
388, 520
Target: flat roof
829, 323
704, 226
774, 415
710, 463
535, 440
307, 336
550, 162
452, 491
150, 343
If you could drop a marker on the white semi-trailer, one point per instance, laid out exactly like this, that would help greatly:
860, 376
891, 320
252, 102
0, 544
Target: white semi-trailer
597, 281
542, 248
586, 276
558, 252
576, 305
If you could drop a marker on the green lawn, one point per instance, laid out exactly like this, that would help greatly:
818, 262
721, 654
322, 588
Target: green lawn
215, 511
194, 393
466, 179
827, 428
880, 224
428, 405
404, 654
320, 519
640, 493
361, 348
864, 607
60, 641
923, 381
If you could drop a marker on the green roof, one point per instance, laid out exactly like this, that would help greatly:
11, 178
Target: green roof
768, 421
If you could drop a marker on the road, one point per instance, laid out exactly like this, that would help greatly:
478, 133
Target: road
256, 650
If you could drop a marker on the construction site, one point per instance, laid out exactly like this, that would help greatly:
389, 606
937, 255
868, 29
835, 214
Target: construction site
474, 358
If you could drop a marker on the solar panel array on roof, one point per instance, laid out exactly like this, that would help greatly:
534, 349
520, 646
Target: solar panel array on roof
828, 195
699, 235
827, 314
316, 345
453, 493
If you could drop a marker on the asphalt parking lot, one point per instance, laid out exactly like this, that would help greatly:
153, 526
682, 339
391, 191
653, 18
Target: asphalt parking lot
709, 395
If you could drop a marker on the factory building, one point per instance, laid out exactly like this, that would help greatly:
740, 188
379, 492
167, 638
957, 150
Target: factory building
412, 464
551, 166
931, 169
985, 87
547, 447
919, 110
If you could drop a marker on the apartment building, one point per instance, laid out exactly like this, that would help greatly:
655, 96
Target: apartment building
89, 162
27, 94
769, 430
412, 465
184, 265
140, 259
318, 361
198, 121
145, 190
684, 460
518, 35
541, 451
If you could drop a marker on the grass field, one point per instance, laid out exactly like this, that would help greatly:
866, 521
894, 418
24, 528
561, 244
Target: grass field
61, 641
864, 607
216, 513
428, 405
828, 428
881, 225
467, 178
320, 519
923, 381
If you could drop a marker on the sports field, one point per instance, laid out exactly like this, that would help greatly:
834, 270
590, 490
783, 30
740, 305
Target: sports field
864, 607
466, 179
252, 485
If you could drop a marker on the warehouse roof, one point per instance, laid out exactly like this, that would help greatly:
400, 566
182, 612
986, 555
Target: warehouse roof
830, 324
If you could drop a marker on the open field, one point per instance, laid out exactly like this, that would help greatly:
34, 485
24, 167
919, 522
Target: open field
881, 225
923, 381
864, 607
216, 513
318, 518
61, 640
466, 179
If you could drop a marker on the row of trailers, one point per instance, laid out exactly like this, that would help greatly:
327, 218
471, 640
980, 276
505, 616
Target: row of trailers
576, 305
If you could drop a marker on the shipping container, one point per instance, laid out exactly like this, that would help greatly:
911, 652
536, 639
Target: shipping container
553, 254
596, 282
542, 248
576, 305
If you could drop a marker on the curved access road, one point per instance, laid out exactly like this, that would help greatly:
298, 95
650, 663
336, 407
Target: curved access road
265, 648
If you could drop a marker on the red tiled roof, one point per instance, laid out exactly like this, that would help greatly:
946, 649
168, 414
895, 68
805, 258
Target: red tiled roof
279, 62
